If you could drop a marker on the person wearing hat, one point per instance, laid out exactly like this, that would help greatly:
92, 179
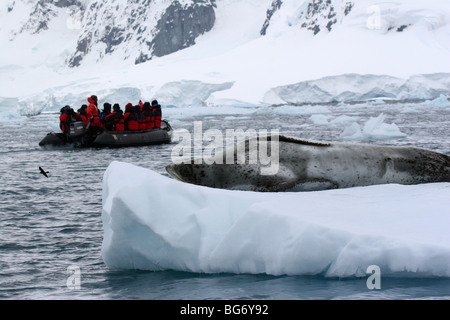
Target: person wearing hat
82, 115
115, 120
148, 114
106, 111
130, 118
65, 119
157, 113
92, 112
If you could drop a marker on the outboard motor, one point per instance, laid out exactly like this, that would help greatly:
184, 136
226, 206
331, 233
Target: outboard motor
77, 128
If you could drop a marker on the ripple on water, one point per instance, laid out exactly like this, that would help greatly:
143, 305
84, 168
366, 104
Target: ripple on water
50, 224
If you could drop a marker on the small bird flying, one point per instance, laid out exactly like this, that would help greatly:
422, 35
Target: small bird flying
44, 172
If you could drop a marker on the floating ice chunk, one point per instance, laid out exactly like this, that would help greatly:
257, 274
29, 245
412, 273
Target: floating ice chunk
352, 132
152, 222
319, 119
374, 129
440, 102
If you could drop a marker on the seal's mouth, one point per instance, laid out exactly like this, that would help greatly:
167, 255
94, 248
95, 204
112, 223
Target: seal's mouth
171, 169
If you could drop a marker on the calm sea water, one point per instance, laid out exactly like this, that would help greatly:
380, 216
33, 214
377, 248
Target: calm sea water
50, 226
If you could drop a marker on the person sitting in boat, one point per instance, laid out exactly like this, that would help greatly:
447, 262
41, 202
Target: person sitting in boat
93, 113
140, 116
130, 118
94, 126
115, 120
82, 115
105, 112
148, 114
65, 118
157, 113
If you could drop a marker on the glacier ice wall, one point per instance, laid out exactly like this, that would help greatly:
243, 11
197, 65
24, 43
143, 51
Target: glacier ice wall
359, 88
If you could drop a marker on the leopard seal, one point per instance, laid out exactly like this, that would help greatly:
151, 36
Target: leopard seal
312, 166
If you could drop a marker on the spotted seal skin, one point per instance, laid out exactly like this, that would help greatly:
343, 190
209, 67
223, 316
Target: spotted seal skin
311, 166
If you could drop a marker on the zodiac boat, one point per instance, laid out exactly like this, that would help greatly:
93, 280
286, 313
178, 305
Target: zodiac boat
79, 137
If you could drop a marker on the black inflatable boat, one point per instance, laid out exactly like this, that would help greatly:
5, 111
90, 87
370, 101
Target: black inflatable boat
80, 138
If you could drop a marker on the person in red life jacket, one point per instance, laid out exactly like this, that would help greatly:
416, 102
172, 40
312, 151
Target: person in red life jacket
148, 114
92, 112
94, 126
130, 118
120, 125
157, 113
141, 117
65, 119
106, 111
115, 119
141, 104
82, 115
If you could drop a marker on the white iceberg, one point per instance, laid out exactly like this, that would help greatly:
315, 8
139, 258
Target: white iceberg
319, 119
440, 102
152, 222
374, 129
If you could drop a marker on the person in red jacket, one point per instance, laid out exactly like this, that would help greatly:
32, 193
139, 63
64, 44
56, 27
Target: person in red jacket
114, 121
130, 118
93, 113
65, 119
148, 114
141, 117
157, 113
94, 127
82, 115
106, 111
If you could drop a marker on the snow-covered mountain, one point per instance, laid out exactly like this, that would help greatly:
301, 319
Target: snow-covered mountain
315, 15
135, 29
223, 51
141, 29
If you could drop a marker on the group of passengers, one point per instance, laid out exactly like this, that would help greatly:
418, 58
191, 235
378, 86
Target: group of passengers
144, 116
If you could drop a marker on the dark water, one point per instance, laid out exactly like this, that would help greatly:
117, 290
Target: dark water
50, 225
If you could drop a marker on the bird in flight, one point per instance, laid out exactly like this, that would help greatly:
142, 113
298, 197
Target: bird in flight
43, 172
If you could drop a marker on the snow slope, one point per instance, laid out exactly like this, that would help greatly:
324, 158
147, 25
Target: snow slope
153, 222
376, 42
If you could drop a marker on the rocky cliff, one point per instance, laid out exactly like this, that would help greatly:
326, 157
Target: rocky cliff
135, 29
141, 29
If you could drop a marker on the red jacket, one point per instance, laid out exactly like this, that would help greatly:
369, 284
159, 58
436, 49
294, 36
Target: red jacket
81, 117
157, 116
141, 121
116, 118
93, 114
131, 121
148, 115
149, 124
120, 126
64, 123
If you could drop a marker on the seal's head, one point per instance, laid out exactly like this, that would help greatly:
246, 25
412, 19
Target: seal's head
199, 174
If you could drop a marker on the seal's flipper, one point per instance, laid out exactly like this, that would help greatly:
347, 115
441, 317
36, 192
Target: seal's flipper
305, 185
